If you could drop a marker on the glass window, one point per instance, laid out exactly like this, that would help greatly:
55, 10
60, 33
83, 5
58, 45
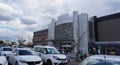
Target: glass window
36, 48
0, 54
52, 51
7, 49
93, 62
25, 52
39, 49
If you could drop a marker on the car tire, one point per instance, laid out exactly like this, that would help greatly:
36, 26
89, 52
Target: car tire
49, 62
16, 63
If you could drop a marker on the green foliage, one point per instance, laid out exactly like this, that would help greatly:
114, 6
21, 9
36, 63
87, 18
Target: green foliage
1, 42
21, 42
13, 43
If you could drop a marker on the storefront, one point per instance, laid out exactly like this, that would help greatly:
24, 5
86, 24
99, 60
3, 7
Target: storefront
107, 48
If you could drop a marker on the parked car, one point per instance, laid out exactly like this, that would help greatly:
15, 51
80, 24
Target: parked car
101, 60
24, 56
50, 55
6, 51
3, 60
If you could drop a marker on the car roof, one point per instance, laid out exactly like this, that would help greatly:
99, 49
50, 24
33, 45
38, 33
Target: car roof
45, 46
5, 47
23, 49
97, 57
107, 57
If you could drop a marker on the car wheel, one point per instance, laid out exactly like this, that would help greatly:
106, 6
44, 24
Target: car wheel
16, 63
49, 62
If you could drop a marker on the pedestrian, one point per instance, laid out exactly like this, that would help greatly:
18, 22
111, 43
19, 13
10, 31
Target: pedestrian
81, 55
98, 51
85, 55
94, 51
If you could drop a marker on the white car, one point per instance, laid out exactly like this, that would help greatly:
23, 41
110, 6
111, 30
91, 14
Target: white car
3, 60
24, 56
50, 55
6, 51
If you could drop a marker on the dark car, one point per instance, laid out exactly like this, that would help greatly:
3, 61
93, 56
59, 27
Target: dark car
101, 60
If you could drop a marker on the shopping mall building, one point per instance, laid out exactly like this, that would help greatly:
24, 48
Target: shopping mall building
106, 33
82, 33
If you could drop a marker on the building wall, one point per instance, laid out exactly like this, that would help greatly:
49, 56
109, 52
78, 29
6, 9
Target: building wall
40, 37
108, 30
83, 33
106, 33
65, 18
75, 29
64, 31
51, 32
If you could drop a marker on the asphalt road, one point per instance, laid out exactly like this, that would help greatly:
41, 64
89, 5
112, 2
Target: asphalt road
73, 63
70, 63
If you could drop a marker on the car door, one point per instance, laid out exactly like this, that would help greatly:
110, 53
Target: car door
12, 58
43, 54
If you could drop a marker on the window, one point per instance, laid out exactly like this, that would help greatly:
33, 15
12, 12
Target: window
7, 49
25, 52
41, 50
35, 49
52, 51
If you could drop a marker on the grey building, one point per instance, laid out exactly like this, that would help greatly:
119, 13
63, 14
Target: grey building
105, 33
64, 36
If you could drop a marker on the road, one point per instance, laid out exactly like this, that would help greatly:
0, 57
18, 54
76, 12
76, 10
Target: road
70, 63
73, 63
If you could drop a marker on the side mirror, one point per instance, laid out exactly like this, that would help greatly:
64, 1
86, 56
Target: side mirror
39, 54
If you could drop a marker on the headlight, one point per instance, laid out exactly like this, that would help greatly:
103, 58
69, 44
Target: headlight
22, 61
56, 57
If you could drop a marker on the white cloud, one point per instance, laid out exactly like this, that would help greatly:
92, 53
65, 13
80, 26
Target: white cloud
37, 14
7, 10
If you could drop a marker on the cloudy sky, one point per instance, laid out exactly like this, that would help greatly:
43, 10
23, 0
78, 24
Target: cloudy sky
20, 18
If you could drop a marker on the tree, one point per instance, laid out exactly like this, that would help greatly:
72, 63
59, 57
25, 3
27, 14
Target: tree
21, 42
77, 43
1, 42
30, 45
13, 43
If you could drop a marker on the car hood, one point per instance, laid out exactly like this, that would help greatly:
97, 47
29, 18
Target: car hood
61, 56
3, 60
29, 58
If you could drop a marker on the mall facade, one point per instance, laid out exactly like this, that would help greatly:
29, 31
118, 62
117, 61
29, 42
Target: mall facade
82, 33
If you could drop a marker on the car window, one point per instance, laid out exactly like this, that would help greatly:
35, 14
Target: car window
36, 48
0, 54
52, 51
43, 50
25, 52
93, 62
7, 49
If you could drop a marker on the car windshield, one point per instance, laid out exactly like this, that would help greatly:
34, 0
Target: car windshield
99, 62
25, 52
7, 49
0, 54
52, 51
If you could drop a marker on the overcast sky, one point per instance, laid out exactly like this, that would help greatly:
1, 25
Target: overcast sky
20, 18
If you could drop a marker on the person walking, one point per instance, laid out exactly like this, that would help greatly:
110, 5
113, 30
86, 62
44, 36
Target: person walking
81, 55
